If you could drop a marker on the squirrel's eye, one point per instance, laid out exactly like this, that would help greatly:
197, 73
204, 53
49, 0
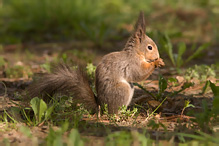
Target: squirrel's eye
150, 47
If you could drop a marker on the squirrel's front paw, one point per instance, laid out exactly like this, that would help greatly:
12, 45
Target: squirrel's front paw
159, 62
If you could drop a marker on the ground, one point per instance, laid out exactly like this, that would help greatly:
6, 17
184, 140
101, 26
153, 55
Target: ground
169, 117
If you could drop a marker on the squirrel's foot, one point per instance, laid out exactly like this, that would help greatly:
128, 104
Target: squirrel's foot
159, 62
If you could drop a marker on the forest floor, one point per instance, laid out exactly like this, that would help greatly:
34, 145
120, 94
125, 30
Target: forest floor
164, 125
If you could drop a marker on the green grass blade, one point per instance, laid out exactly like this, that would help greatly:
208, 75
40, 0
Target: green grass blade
197, 52
10, 117
162, 85
156, 109
204, 89
215, 89
208, 137
197, 137
74, 138
169, 48
28, 119
181, 51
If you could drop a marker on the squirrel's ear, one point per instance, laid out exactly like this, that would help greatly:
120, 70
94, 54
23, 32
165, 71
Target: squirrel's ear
140, 27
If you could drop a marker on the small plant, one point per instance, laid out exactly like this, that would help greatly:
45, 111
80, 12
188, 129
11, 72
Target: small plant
105, 109
203, 119
78, 115
186, 105
91, 70
41, 111
46, 66
18, 71
208, 116
64, 57
2, 62
215, 108
124, 114
162, 87
173, 82
55, 137
200, 72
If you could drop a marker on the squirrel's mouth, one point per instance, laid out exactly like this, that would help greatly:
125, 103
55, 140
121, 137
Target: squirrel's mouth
152, 60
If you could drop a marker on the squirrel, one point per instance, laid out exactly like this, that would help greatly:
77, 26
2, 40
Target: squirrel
114, 74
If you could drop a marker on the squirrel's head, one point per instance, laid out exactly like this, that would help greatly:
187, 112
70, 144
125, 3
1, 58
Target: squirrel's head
141, 43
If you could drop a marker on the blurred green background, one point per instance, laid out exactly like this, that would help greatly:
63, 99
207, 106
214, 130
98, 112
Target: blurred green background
106, 20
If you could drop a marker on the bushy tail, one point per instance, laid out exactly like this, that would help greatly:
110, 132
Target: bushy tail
66, 81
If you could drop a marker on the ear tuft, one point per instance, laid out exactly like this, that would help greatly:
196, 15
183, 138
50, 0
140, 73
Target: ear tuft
140, 26
138, 34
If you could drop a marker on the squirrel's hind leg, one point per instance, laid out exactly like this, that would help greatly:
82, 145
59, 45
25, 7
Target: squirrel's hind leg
122, 95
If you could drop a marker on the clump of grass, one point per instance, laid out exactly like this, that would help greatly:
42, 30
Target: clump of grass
18, 71
200, 72
2, 62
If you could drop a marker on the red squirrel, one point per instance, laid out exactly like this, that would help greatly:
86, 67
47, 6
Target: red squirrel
114, 75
